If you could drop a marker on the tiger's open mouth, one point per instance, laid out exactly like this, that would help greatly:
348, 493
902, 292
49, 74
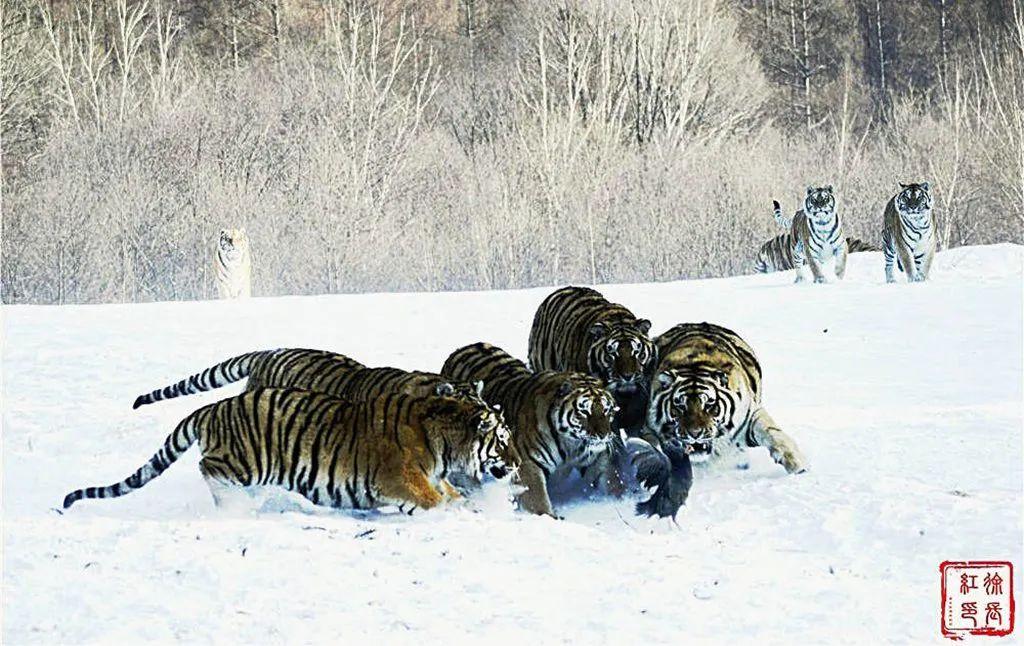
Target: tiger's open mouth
697, 449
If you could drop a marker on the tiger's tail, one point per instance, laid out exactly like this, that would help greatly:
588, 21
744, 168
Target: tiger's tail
216, 376
176, 444
783, 221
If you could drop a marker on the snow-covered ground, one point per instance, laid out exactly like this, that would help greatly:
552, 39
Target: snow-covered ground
907, 400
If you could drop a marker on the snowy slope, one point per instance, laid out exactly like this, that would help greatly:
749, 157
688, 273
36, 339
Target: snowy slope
907, 400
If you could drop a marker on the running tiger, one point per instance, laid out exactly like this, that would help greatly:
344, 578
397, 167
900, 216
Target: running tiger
777, 253
708, 386
559, 420
816, 236
576, 329
315, 370
232, 264
908, 233
391, 450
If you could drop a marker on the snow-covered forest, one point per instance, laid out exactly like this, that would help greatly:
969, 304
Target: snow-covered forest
484, 144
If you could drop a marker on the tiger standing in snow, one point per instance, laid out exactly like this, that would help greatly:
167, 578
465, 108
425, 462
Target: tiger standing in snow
777, 253
392, 450
232, 264
908, 233
707, 393
577, 329
817, 236
560, 421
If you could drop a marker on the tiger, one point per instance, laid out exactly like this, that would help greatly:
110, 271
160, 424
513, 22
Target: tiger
576, 329
708, 386
394, 450
232, 264
560, 421
777, 253
317, 370
321, 371
816, 236
908, 233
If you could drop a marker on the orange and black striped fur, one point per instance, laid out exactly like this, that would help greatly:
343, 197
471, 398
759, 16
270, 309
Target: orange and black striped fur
777, 253
316, 370
908, 233
390, 450
559, 420
577, 329
708, 388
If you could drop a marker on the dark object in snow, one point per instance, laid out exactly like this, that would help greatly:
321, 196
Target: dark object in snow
668, 472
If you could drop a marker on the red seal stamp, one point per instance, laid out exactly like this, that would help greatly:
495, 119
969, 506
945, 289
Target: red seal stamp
977, 598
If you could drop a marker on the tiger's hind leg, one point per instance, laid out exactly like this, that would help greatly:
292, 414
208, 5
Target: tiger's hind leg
228, 496
764, 432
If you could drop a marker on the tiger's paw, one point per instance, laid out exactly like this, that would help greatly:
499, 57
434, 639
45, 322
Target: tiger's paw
791, 460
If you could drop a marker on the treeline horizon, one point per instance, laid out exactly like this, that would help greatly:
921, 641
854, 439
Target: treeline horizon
472, 144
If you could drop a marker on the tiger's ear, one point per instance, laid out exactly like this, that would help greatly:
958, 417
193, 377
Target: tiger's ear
596, 330
565, 388
924, 185
810, 189
644, 326
479, 385
444, 389
829, 188
903, 186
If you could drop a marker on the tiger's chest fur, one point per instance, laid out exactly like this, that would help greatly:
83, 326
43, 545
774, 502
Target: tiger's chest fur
819, 237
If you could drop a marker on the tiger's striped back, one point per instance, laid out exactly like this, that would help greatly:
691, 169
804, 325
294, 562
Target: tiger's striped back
316, 370
391, 450
233, 264
558, 419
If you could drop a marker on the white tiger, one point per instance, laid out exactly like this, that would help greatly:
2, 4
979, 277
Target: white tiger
908, 233
817, 236
233, 264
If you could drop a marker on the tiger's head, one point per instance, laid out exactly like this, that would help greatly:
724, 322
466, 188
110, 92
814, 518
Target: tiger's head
581, 411
693, 406
481, 438
914, 199
820, 204
232, 244
622, 355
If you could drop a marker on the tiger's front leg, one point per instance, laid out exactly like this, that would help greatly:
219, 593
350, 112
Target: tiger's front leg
889, 252
783, 449
800, 262
411, 490
535, 499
